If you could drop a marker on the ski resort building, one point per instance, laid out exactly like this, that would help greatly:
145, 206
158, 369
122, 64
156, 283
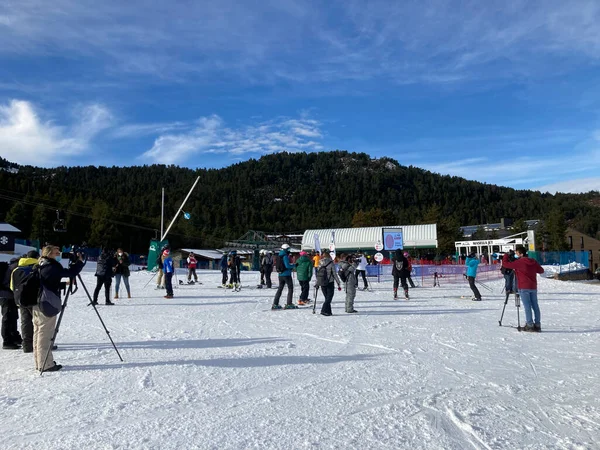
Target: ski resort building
365, 239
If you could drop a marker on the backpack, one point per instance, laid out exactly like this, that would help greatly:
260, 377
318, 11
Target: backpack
322, 277
26, 285
280, 265
343, 275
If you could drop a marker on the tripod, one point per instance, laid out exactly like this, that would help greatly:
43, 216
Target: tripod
70, 291
517, 304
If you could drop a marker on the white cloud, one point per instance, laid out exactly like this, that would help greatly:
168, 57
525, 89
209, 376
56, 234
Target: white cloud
148, 129
575, 186
211, 135
442, 42
26, 139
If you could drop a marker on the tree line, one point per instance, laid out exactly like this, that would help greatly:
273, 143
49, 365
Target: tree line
283, 192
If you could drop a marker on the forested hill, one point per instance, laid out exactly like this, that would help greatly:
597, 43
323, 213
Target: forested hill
283, 192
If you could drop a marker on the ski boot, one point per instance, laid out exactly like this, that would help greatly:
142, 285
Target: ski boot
291, 306
395, 294
276, 307
406, 297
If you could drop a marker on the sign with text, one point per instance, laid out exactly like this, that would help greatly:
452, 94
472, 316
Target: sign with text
392, 239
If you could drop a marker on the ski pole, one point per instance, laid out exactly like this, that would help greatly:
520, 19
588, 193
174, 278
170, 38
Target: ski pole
518, 304
150, 279
315, 303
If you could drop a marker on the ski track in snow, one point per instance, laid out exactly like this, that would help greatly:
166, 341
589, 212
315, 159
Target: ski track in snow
215, 369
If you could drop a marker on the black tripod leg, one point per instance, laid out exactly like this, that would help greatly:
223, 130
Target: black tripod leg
502, 316
518, 304
100, 318
60, 316
315, 303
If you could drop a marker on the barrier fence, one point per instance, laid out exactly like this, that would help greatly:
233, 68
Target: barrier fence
445, 273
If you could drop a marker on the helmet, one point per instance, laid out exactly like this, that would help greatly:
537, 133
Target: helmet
166, 252
285, 247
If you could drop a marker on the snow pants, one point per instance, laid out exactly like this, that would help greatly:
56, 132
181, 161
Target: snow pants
283, 281
43, 330
27, 328
364, 277
106, 282
350, 292
304, 288
192, 273
328, 291
402, 280
10, 316
268, 272
474, 288
169, 283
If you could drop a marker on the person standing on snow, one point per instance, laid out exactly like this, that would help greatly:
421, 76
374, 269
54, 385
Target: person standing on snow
361, 270
169, 270
400, 273
223, 265
348, 269
267, 263
526, 270
409, 269
304, 270
284, 267
192, 263
326, 276
122, 271
472, 262
105, 269
234, 264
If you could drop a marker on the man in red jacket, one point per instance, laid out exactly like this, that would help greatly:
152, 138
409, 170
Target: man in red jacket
526, 269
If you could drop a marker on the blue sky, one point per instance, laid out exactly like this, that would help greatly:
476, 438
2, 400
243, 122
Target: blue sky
507, 93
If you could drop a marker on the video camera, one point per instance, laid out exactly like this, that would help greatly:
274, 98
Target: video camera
73, 254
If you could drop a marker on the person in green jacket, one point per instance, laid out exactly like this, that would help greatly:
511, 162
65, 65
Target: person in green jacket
304, 270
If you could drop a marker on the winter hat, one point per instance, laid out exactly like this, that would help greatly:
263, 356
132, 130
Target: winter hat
406, 254
32, 254
303, 253
285, 247
166, 252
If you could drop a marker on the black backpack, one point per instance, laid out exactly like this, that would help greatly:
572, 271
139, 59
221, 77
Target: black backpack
26, 285
322, 277
280, 265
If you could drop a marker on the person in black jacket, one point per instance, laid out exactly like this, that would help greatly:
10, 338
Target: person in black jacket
24, 267
122, 271
51, 273
400, 272
11, 339
105, 270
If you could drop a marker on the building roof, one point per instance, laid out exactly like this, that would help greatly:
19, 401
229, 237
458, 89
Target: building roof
414, 236
208, 254
8, 228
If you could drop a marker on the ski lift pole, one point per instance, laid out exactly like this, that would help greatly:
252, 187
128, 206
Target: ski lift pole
179, 210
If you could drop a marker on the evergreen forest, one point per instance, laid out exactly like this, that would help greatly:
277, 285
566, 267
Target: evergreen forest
278, 193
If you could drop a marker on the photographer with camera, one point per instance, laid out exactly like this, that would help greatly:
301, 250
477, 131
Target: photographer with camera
51, 272
104, 273
510, 286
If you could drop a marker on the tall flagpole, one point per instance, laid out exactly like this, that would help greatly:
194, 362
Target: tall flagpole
179, 210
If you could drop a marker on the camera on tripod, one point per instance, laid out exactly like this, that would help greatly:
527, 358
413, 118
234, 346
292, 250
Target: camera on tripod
75, 252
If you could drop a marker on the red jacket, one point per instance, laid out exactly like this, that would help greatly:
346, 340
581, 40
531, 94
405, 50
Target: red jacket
192, 262
526, 270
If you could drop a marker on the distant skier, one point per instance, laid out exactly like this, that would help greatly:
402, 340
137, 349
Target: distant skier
400, 273
361, 270
224, 267
234, 263
268, 267
304, 271
409, 278
192, 263
472, 262
284, 267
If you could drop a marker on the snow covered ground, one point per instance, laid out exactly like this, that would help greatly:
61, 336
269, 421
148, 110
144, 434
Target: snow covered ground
214, 369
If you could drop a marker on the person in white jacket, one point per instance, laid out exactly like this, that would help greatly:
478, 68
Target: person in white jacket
361, 269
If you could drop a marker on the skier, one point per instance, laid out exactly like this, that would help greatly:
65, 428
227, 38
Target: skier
304, 270
268, 267
409, 278
284, 267
192, 263
326, 276
223, 265
400, 272
361, 269
234, 264
526, 270
472, 262
105, 270
169, 269
348, 269
261, 268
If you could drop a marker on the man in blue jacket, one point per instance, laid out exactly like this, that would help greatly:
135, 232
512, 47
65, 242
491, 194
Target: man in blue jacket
169, 270
284, 267
472, 262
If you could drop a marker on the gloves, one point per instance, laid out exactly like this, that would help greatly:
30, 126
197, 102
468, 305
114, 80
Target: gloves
339, 288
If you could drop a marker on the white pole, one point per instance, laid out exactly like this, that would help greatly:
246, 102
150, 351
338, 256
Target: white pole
162, 213
179, 210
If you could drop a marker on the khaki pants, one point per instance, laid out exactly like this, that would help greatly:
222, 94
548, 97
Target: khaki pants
43, 330
159, 278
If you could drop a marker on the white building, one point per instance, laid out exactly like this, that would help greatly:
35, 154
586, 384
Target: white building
365, 239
